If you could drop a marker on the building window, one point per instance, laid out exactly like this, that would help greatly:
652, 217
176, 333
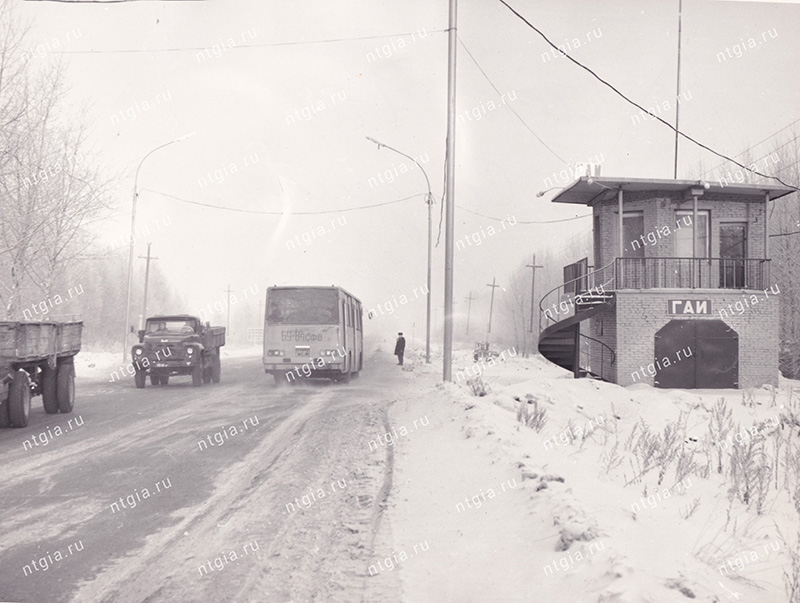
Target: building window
632, 234
685, 234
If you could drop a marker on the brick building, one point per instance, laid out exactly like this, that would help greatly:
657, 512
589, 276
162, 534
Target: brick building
679, 293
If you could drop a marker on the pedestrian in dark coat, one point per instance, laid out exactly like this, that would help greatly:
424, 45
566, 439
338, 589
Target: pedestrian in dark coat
399, 348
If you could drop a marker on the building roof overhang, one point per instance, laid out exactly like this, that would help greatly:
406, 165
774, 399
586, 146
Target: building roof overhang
589, 190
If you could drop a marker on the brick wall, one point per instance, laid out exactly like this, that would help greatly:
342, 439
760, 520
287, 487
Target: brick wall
640, 314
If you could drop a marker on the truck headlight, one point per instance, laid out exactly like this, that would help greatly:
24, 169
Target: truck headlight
138, 351
275, 353
189, 351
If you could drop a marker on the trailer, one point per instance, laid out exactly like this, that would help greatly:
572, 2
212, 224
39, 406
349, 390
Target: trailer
37, 358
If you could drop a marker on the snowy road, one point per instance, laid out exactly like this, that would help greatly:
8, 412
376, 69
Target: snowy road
237, 491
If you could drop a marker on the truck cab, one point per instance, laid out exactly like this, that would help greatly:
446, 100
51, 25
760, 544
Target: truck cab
177, 344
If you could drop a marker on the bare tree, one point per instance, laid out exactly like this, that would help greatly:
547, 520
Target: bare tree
47, 196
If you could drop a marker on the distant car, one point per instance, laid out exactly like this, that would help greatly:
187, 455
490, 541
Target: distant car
177, 345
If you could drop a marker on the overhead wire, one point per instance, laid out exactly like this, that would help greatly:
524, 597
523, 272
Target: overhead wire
524, 221
755, 145
637, 105
282, 213
240, 46
527, 127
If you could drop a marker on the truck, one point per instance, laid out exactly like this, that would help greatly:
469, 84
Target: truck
37, 358
178, 344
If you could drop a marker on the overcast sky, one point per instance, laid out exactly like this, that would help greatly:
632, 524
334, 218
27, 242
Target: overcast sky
288, 92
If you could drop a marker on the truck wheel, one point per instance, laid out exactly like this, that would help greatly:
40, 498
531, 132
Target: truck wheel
65, 388
140, 378
164, 379
207, 375
19, 399
49, 390
216, 369
155, 380
197, 376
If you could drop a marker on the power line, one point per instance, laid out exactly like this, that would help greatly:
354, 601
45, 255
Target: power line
771, 152
524, 221
239, 46
281, 213
527, 127
755, 145
637, 105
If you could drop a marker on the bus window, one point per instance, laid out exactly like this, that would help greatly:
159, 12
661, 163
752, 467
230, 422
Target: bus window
302, 306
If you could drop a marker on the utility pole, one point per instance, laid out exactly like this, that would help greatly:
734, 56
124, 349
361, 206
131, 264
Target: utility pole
228, 322
436, 315
491, 307
469, 307
146, 280
678, 94
450, 172
533, 268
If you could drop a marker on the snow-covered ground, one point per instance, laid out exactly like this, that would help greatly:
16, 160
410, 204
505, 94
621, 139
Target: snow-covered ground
618, 497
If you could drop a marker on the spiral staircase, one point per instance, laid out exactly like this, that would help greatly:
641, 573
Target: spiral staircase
560, 341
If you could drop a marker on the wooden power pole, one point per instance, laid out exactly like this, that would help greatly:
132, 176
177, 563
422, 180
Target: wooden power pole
148, 257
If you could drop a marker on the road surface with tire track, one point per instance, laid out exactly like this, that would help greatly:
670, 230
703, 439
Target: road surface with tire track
233, 491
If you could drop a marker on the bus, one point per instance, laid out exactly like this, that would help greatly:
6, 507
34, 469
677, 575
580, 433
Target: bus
312, 332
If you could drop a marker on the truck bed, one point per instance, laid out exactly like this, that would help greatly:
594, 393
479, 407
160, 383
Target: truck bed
27, 341
214, 337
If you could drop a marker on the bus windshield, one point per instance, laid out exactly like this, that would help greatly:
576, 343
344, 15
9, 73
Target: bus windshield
303, 307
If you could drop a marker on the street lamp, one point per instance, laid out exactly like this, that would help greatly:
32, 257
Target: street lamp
429, 202
130, 251
552, 188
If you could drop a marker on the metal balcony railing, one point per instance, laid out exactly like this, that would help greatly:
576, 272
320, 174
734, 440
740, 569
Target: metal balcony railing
691, 273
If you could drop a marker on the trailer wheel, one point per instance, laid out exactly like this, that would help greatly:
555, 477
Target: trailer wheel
66, 387
216, 369
140, 378
197, 375
49, 390
19, 399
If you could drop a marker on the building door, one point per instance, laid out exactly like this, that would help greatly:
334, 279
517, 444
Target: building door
732, 253
696, 354
687, 271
